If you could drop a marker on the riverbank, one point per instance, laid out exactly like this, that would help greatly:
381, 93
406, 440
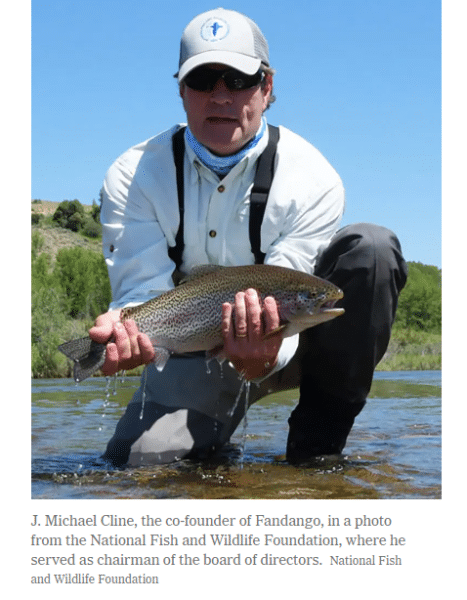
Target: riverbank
408, 350
412, 350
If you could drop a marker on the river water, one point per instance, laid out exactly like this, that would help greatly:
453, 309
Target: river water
393, 451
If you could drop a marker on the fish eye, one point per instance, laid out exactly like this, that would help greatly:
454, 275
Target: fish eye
314, 295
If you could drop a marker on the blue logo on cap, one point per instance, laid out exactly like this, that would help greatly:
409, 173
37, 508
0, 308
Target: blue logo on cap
214, 30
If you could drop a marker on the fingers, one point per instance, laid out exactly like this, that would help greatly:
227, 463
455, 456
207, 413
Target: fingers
228, 330
128, 347
103, 329
125, 340
250, 318
244, 327
254, 319
146, 348
241, 322
247, 321
271, 315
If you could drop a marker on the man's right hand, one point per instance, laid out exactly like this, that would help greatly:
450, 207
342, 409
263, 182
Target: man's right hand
129, 347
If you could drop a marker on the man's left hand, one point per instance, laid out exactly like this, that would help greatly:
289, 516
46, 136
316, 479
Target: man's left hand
244, 327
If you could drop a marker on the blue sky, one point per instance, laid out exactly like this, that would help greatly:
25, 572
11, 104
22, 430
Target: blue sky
360, 80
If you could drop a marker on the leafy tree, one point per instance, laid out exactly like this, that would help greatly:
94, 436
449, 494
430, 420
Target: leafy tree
83, 277
70, 215
96, 209
91, 228
420, 301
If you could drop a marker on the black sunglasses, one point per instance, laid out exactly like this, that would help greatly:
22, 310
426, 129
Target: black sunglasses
203, 79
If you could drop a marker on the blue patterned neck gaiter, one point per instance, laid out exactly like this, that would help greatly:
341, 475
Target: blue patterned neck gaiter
222, 165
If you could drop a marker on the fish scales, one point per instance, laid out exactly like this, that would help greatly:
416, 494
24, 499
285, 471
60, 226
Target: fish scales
188, 317
190, 314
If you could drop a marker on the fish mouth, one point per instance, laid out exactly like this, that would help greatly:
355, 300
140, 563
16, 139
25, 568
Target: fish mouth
328, 304
328, 308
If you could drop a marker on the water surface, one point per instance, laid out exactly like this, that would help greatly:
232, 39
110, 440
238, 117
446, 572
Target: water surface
393, 451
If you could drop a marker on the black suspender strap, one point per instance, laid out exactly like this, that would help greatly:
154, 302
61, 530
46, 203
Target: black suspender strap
178, 147
260, 192
258, 199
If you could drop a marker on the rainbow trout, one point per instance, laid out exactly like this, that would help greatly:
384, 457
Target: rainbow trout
188, 317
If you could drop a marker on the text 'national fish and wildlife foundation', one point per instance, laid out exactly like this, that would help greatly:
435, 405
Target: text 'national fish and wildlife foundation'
92, 550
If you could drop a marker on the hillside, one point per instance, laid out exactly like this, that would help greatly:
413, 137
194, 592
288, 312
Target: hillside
44, 207
54, 237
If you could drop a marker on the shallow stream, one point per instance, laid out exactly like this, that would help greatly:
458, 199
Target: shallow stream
393, 451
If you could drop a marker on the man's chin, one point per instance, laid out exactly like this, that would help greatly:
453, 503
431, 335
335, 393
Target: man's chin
225, 139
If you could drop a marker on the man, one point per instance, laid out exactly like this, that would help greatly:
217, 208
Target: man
226, 85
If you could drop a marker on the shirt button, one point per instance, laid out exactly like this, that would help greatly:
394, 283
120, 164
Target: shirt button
212, 233
221, 188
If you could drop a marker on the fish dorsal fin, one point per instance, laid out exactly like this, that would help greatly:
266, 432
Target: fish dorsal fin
199, 271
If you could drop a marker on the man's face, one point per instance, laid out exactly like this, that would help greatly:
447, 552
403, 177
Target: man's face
223, 120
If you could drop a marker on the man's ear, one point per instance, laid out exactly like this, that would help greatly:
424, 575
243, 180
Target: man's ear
267, 90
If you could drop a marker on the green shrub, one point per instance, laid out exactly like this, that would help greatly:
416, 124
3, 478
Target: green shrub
70, 215
83, 278
92, 229
48, 318
36, 218
419, 305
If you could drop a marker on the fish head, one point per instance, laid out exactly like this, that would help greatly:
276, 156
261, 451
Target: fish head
311, 305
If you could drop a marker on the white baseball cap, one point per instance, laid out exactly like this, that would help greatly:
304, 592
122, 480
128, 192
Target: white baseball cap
225, 37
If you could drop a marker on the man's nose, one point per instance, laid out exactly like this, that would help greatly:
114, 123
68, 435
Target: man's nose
221, 93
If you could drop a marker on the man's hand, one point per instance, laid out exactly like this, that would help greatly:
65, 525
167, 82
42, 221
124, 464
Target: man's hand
244, 326
128, 349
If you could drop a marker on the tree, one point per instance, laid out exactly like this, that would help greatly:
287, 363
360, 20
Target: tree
420, 301
70, 215
96, 209
83, 277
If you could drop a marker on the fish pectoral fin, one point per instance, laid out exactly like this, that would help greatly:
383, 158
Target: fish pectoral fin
161, 357
275, 331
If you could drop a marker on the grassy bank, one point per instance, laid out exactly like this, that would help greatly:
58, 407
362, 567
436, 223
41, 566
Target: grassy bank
412, 350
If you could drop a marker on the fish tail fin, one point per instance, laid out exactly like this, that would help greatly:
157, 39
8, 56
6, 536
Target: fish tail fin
88, 356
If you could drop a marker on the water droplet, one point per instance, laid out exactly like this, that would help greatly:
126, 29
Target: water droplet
245, 422
143, 392
245, 385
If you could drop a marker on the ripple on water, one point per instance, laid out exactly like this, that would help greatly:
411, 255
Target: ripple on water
394, 450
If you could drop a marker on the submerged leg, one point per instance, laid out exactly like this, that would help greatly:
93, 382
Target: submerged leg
179, 412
